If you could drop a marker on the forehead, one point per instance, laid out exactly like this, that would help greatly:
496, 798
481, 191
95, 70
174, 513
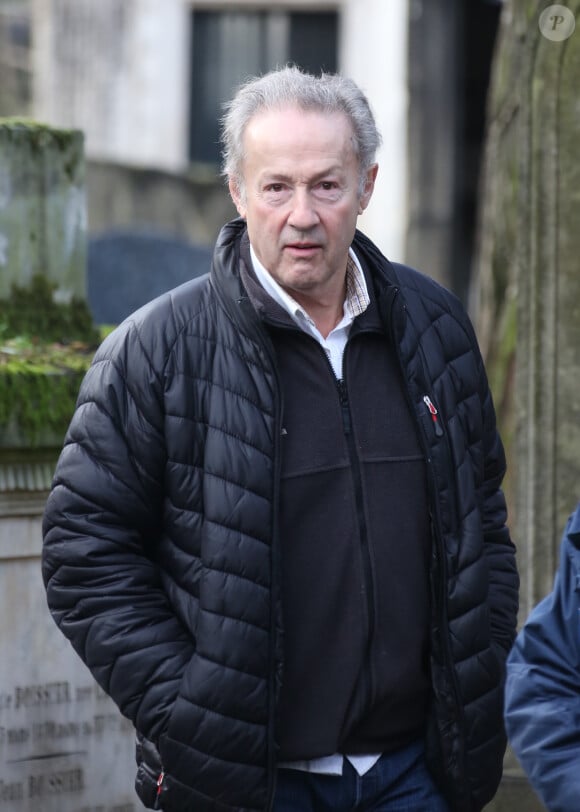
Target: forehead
294, 133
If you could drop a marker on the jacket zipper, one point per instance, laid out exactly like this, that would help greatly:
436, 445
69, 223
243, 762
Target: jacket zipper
359, 502
362, 526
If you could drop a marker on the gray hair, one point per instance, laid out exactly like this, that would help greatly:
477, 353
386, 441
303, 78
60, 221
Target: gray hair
287, 87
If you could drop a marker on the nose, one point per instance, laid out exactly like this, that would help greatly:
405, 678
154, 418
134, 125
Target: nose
303, 214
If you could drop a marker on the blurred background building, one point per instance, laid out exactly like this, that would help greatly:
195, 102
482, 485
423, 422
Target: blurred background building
146, 81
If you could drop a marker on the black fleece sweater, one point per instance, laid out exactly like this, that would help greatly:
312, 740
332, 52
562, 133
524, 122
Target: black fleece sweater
355, 545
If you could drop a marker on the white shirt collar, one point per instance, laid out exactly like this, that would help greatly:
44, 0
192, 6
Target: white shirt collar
356, 302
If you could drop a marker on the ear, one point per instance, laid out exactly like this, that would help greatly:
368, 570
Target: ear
368, 187
237, 196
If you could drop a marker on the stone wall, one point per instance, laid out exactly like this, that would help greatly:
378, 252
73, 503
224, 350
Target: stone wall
193, 208
63, 745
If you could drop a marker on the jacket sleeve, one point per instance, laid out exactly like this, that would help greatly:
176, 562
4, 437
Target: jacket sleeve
542, 698
101, 522
499, 550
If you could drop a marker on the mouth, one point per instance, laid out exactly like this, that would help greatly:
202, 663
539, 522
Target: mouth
302, 248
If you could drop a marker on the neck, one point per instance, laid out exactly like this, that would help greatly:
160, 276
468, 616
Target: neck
325, 315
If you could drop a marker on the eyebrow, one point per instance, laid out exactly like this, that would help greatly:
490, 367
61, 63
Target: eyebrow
282, 177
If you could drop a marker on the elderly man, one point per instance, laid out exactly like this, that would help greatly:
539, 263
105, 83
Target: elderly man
276, 534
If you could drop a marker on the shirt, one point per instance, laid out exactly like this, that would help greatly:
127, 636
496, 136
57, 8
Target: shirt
356, 302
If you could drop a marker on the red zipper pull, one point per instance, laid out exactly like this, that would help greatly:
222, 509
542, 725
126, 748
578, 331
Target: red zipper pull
434, 415
160, 783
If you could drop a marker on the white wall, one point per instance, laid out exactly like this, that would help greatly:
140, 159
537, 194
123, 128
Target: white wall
117, 69
373, 51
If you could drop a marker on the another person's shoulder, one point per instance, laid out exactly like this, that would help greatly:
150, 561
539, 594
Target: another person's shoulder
546, 635
567, 581
570, 559
542, 681
572, 531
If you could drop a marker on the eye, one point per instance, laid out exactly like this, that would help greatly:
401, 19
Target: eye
327, 190
276, 192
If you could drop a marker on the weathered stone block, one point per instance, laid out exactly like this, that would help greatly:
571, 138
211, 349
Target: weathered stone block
42, 207
64, 747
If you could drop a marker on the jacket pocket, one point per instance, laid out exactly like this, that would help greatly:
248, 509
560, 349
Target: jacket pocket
150, 773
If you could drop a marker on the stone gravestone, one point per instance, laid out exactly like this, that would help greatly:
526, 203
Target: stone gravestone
42, 207
126, 269
64, 746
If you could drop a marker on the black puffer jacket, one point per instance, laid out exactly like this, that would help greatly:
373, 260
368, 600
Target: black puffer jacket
160, 543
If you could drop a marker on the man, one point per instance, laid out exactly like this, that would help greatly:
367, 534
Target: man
276, 533
543, 685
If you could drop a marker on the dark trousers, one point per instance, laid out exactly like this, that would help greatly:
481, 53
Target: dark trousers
398, 782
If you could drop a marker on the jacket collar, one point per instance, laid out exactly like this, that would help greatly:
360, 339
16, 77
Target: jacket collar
232, 266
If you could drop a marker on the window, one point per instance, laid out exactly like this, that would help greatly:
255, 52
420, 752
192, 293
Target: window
15, 60
228, 47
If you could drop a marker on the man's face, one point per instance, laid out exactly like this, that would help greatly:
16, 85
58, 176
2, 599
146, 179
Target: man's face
301, 197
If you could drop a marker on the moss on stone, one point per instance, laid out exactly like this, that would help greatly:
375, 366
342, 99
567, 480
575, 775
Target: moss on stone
38, 391
38, 133
35, 311
45, 349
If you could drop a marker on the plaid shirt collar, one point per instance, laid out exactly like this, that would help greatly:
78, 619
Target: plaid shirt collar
357, 294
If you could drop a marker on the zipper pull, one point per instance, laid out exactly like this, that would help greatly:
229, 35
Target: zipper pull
160, 783
434, 415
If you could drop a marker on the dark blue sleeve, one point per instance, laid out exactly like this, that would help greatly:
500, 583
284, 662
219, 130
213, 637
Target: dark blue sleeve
542, 701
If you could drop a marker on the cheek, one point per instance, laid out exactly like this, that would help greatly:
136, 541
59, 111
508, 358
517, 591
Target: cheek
343, 226
263, 231
266, 223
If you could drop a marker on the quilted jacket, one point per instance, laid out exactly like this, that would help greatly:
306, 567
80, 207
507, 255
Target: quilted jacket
543, 685
160, 534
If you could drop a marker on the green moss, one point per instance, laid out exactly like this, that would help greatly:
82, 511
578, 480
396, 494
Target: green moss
38, 133
38, 390
45, 349
34, 312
